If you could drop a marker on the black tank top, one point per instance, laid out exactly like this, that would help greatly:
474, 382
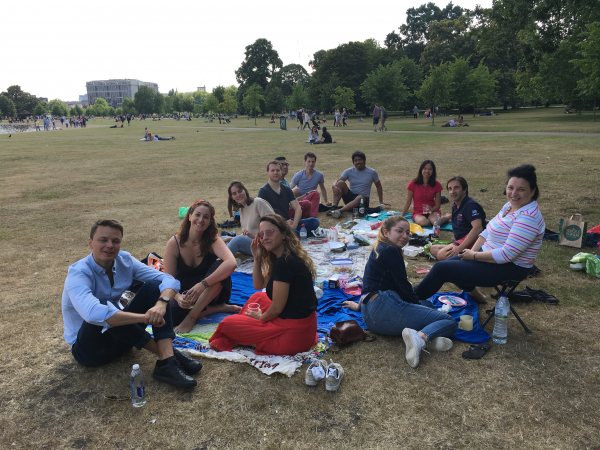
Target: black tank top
190, 276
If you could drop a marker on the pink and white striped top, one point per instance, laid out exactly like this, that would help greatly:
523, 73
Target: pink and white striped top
515, 237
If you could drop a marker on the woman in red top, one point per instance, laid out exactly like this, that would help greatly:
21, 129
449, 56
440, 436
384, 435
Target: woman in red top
425, 191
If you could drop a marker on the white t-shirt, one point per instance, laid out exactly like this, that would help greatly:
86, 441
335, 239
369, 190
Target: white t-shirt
251, 214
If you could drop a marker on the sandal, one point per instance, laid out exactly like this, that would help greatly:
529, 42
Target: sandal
476, 351
542, 296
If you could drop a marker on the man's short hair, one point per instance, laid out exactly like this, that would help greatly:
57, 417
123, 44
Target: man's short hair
360, 155
106, 223
462, 181
281, 158
310, 155
273, 162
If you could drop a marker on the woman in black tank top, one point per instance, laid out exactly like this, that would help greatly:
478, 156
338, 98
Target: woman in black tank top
200, 260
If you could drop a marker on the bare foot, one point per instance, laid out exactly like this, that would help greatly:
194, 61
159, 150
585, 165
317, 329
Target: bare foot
478, 296
185, 326
224, 308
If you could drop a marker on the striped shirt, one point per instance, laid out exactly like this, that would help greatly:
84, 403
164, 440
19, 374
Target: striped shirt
515, 237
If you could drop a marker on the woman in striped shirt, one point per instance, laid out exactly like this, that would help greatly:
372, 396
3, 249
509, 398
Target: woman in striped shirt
505, 250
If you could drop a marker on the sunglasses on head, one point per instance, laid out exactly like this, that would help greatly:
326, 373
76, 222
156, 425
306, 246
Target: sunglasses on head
204, 201
266, 233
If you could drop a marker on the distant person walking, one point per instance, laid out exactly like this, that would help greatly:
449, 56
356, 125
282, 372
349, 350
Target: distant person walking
376, 116
37, 125
384, 115
416, 112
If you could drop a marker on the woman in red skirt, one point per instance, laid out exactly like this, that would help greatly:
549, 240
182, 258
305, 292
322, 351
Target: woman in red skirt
286, 323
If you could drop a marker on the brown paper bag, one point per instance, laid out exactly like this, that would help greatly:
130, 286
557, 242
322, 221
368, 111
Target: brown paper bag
572, 231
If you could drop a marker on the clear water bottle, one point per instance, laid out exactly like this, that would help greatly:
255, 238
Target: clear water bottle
436, 229
138, 387
303, 233
500, 319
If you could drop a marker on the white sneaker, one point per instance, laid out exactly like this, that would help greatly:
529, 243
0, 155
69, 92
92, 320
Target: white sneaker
414, 345
335, 375
315, 372
441, 344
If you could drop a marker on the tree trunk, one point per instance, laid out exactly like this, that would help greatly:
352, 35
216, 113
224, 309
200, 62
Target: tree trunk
594, 110
255, 117
474, 110
433, 114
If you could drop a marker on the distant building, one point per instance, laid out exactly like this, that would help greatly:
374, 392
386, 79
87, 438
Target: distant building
203, 89
43, 99
114, 91
83, 98
73, 104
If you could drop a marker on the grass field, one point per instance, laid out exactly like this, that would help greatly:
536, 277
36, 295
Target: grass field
536, 392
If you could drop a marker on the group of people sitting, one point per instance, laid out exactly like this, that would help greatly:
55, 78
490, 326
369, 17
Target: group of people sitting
456, 123
313, 138
198, 264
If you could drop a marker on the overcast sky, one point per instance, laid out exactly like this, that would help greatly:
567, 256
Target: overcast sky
57, 47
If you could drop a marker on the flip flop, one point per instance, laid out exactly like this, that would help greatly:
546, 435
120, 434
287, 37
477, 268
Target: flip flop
542, 296
476, 351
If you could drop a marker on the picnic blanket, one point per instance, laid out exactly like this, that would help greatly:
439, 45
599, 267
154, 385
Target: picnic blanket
385, 214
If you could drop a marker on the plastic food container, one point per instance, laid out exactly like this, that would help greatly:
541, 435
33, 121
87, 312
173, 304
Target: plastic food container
411, 251
422, 268
342, 266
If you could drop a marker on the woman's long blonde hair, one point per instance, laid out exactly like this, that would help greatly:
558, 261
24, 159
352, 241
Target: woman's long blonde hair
387, 225
290, 242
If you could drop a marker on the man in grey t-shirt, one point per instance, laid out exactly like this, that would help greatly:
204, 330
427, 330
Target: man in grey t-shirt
361, 179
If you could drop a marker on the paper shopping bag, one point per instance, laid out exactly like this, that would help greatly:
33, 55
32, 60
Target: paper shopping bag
572, 231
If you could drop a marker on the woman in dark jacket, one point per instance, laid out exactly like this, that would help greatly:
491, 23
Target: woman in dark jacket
389, 305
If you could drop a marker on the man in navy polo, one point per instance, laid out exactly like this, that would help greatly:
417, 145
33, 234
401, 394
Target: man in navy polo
468, 220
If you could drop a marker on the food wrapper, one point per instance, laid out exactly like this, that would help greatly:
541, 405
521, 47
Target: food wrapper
587, 261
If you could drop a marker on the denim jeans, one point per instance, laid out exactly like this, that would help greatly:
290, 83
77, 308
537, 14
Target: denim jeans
94, 348
467, 275
241, 244
310, 224
388, 314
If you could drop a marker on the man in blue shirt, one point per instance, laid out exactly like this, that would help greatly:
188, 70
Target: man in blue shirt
468, 220
97, 326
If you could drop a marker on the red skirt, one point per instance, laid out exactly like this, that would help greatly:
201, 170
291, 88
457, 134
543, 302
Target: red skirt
275, 337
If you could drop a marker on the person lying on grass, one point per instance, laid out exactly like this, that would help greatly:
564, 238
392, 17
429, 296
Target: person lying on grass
282, 320
468, 220
425, 194
200, 260
505, 250
388, 304
100, 329
251, 210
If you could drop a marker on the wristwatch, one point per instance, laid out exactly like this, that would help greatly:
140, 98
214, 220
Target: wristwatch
164, 298
205, 283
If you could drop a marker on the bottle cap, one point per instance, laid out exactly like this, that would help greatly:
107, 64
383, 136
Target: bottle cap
136, 367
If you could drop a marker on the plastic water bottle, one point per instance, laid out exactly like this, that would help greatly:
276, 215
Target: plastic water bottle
138, 387
436, 228
500, 333
303, 233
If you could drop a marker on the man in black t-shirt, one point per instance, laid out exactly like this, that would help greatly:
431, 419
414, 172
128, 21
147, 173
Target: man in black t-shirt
468, 220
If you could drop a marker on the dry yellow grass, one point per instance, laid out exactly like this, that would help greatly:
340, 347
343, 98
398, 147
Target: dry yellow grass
536, 392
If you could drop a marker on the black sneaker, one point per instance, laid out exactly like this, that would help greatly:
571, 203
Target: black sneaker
228, 233
190, 365
173, 374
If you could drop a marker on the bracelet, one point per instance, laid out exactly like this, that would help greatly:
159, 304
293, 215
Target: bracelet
205, 283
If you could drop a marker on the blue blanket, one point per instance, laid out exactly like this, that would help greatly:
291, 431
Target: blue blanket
330, 309
446, 227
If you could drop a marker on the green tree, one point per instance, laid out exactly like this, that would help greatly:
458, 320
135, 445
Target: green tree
119, 111
187, 103
385, 86
449, 38
274, 99
75, 111
435, 90
483, 85
23, 101
57, 108
259, 65
159, 103
39, 109
219, 92
231, 90
211, 104
589, 63
229, 104
144, 100
176, 104
7, 106
317, 58
344, 98
298, 99
252, 99
289, 76
129, 106
101, 107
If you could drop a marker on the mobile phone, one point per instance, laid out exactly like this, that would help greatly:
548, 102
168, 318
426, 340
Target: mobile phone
461, 252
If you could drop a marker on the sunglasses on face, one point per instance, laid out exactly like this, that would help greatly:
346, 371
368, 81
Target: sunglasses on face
284, 164
267, 233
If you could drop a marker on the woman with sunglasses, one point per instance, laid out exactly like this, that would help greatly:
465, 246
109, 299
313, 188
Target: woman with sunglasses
251, 210
285, 322
202, 263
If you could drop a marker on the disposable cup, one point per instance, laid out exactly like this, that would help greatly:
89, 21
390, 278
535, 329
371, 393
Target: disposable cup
255, 307
466, 322
320, 282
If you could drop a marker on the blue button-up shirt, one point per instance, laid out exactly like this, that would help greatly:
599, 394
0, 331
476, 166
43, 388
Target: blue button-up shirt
88, 295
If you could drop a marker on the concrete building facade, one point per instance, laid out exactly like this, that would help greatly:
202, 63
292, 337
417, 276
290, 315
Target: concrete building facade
114, 91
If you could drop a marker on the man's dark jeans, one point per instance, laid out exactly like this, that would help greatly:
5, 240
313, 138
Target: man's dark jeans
94, 348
